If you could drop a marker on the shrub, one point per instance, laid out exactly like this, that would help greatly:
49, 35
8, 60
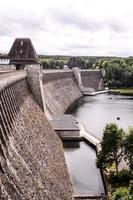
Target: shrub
121, 179
121, 194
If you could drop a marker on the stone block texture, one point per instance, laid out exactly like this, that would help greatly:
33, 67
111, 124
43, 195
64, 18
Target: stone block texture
59, 90
92, 79
32, 163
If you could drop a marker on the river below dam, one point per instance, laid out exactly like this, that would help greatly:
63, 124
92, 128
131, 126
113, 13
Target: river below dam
94, 112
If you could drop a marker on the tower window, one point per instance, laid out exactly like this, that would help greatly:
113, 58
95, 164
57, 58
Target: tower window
22, 42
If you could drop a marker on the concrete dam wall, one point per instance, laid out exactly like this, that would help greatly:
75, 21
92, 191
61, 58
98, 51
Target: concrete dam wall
60, 89
32, 164
92, 79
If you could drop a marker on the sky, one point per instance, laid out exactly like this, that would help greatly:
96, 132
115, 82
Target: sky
69, 27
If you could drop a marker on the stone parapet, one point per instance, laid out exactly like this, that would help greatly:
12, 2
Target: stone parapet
11, 78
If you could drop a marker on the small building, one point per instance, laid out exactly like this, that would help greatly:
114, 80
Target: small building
4, 59
65, 67
66, 126
22, 53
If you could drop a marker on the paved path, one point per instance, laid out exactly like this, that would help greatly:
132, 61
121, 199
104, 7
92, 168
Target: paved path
7, 74
65, 70
10, 78
56, 70
89, 93
88, 136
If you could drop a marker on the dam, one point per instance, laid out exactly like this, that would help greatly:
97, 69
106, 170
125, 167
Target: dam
32, 162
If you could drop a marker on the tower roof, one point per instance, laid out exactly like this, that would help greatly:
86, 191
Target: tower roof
23, 52
73, 62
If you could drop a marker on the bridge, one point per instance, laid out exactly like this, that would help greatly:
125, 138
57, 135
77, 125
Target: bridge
32, 164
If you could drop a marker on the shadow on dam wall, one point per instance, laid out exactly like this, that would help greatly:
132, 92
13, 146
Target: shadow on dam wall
32, 163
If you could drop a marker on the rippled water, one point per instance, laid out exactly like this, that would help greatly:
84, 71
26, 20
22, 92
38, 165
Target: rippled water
94, 112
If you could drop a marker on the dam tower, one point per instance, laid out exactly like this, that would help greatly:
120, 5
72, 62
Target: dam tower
22, 53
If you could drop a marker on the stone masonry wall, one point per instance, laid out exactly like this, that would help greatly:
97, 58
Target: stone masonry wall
32, 163
34, 76
92, 79
59, 90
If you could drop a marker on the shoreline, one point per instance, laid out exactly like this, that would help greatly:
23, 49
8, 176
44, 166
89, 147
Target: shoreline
122, 91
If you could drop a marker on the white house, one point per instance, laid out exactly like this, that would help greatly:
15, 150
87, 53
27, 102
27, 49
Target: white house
4, 59
65, 67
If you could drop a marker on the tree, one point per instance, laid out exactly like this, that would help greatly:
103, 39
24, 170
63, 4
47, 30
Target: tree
111, 147
122, 194
128, 147
131, 187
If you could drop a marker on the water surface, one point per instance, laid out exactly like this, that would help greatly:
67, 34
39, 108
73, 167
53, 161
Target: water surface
96, 111
85, 176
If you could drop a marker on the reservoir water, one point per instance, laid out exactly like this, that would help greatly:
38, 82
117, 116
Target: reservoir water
94, 112
85, 176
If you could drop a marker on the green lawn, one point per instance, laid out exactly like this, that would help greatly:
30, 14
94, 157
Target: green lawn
123, 91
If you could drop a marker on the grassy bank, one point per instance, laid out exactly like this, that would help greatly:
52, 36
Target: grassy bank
122, 91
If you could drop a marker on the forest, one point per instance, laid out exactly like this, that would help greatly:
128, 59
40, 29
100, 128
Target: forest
119, 70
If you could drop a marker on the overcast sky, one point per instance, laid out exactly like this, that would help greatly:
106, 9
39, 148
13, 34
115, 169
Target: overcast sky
69, 27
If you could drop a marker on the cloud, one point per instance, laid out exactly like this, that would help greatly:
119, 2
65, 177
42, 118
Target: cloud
81, 27
87, 22
75, 19
21, 22
81, 46
115, 24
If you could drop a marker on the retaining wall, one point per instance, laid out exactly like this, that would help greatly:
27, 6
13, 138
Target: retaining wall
92, 79
60, 89
32, 163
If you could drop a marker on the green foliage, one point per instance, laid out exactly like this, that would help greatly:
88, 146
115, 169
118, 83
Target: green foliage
122, 178
128, 147
131, 187
119, 71
111, 147
115, 146
123, 91
52, 64
122, 193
